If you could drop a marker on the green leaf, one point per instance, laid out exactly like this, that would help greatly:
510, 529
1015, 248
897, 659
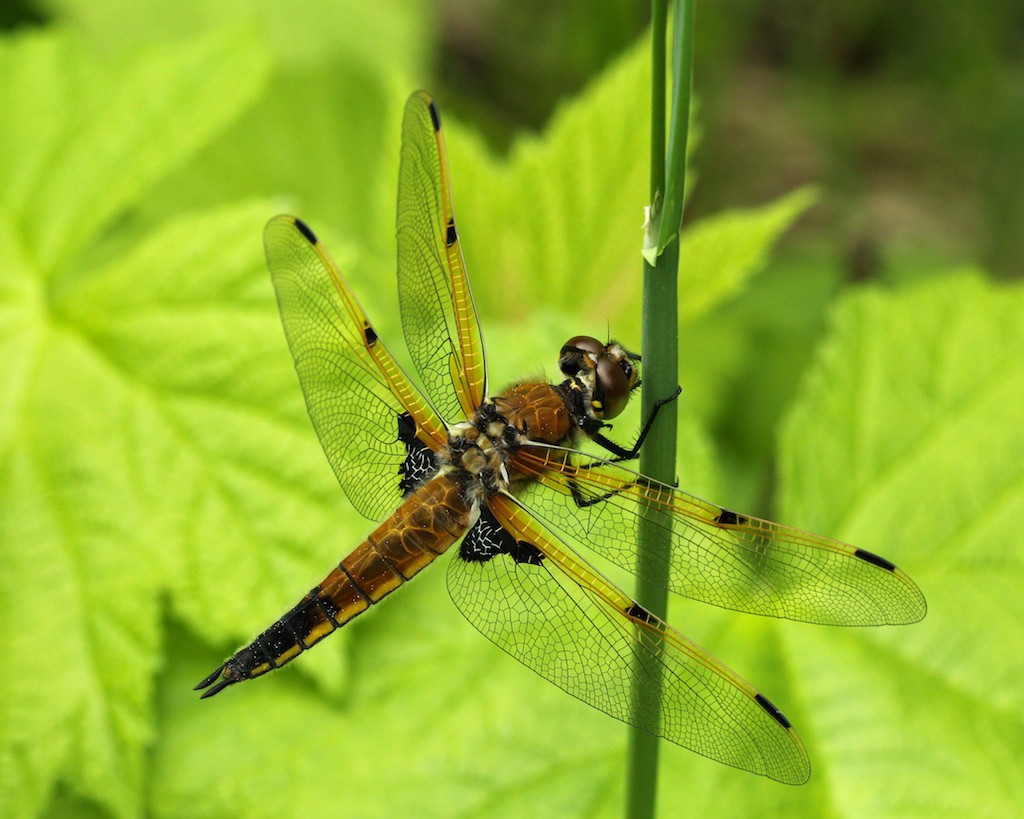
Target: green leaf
323, 142
118, 133
906, 440
561, 217
323, 136
101, 479
388, 36
743, 361
720, 253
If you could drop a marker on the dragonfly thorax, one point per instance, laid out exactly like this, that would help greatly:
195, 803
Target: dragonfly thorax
479, 449
530, 413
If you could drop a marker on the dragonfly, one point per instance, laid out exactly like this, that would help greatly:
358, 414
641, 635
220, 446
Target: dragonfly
501, 476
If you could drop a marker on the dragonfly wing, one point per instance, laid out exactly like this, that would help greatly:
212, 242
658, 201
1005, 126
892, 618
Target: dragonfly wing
559, 617
438, 314
718, 556
371, 420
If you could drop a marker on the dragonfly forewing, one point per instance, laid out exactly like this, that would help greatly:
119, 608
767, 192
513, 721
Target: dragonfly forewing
717, 556
439, 317
355, 392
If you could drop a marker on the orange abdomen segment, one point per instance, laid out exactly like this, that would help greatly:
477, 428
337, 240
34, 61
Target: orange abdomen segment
537, 409
430, 520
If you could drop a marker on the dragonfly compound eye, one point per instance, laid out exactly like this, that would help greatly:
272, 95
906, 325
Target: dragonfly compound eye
612, 387
579, 352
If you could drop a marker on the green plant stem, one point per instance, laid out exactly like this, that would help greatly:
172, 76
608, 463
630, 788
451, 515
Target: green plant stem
679, 131
660, 349
659, 26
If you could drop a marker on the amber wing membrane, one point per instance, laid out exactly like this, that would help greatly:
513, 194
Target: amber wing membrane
439, 317
718, 556
355, 391
574, 628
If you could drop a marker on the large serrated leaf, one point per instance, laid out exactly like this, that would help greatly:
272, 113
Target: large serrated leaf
906, 439
395, 35
125, 130
561, 218
111, 405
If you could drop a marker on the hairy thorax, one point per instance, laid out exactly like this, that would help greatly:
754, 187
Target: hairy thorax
481, 448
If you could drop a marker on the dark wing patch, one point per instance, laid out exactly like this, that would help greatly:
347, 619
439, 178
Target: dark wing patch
488, 539
420, 464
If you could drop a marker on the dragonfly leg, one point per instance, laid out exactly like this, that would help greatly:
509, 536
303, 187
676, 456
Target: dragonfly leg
583, 502
620, 452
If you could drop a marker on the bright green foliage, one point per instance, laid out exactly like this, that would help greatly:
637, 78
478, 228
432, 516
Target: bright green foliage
90, 516
721, 252
154, 449
562, 216
530, 219
907, 439
299, 35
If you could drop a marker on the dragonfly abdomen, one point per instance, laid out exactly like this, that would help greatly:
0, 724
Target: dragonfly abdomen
430, 520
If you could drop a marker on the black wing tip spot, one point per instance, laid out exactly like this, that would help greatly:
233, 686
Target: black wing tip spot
435, 116
370, 335
638, 612
772, 711
875, 560
306, 231
729, 518
452, 235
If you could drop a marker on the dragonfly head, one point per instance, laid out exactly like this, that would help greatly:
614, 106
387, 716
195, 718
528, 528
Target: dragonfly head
609, 370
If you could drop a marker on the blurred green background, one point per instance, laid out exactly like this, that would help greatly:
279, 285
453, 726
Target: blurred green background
850, 362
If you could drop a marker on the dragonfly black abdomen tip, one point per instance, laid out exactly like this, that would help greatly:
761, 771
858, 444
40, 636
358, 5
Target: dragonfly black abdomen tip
208, 681
223, 683
220, 686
